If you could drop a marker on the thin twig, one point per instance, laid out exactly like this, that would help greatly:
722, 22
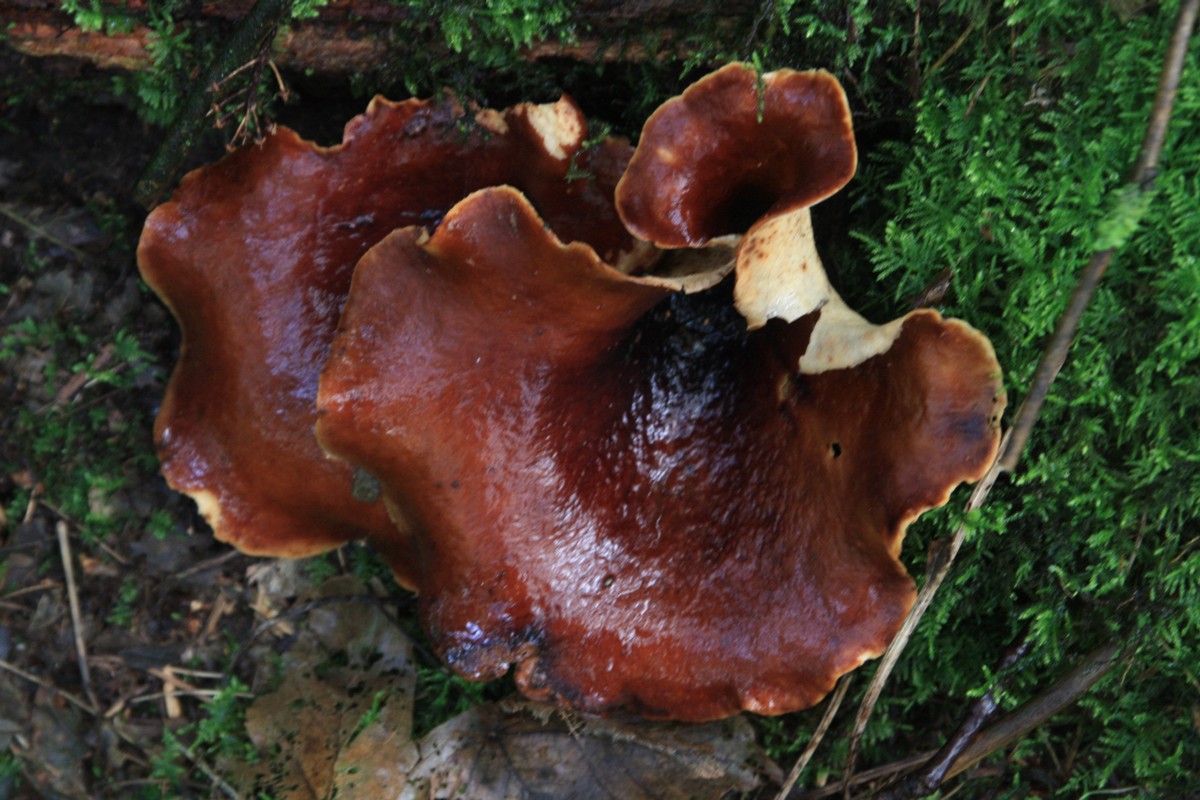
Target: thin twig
206, 674
769, 13
211, 563
40, 586
1065, 691
216, 87
171, 684
944, 57
42, 682
35, 495
914, 60
835, 701
866, 776
13, 607
76, 382
64, 548
204, 695
1142, 174
1052, 359
941, 557
18, 548
113, 554
222, 784
284, 93
975, 94
200, 694
929, 779
41, 232
56, 511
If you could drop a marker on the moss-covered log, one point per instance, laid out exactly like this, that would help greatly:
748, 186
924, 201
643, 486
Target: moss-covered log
356, 36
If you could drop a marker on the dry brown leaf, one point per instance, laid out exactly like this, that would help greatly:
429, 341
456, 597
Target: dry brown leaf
522, 750
340, 723
275, 584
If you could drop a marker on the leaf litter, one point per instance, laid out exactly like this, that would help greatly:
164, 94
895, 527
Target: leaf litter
517, 749
339, 725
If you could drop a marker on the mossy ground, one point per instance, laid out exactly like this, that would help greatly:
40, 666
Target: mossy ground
992, 139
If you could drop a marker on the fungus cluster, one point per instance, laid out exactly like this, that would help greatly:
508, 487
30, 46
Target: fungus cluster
537, 395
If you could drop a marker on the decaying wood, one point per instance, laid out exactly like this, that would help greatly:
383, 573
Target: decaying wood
352, 36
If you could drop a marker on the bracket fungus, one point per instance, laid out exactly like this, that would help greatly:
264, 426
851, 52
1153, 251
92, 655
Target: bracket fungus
643, 487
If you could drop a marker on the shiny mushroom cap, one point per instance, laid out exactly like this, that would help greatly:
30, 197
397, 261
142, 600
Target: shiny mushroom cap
734, 148
621, 490
640, 485
254, 255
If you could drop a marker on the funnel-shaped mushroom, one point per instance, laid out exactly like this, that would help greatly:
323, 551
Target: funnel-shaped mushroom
621, 490
254, 256
683, 504
733, 148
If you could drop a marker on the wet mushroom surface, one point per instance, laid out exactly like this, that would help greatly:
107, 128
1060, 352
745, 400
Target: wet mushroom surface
642, 486
253, 255
626, 493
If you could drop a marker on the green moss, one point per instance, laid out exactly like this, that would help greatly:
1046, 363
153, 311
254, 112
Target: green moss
122, 611
491, 31
1016, 160
158, 92
81, 453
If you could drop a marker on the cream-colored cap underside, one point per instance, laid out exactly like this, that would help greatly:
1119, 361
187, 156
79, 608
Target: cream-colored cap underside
780, 276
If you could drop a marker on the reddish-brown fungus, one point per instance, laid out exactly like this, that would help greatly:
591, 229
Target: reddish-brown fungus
736, 147
682, 504
620, 489
254, 256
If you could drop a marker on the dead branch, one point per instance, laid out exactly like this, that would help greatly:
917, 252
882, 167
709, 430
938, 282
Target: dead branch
358, 36
1066, 690
45, 684
1075, 683
930, 777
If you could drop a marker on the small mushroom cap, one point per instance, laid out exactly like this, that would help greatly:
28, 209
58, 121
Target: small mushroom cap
622, 491
734, 148
254, 255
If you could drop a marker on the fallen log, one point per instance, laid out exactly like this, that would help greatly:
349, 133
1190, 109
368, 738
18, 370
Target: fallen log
350, 36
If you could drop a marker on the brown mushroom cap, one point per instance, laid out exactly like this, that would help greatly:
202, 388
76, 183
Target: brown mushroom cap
616, 487
638, 502
254, 256
734, 148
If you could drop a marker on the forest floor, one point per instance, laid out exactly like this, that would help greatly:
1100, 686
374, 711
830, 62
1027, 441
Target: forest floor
131, 641
84, 357
121, 619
